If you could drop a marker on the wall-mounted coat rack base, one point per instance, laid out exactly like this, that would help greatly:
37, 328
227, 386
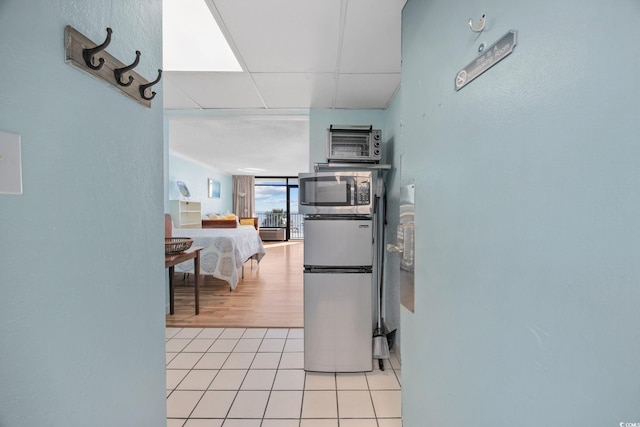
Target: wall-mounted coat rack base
74, 45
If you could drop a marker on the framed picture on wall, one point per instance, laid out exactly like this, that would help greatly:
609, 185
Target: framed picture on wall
214, 189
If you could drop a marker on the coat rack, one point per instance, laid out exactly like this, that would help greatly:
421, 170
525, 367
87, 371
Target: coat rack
94, 59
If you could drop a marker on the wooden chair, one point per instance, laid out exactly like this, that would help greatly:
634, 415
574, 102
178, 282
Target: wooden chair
168, 225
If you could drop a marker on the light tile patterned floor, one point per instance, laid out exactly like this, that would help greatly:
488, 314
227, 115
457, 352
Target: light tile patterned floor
238, 377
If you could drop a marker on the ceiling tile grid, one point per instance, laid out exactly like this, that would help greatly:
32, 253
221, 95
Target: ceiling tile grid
296, 55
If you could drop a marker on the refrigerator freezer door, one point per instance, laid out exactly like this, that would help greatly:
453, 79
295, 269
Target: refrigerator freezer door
338, 242
338, 322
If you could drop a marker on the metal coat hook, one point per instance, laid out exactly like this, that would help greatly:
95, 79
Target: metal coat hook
479, 27
88, 54
143, 88
118, 72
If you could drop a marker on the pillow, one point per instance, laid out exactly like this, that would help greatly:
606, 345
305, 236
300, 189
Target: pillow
246, 221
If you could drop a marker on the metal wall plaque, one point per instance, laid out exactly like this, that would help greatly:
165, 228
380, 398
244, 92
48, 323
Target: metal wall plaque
405, 246
490, 56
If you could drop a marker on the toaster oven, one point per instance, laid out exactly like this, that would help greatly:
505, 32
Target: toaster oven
354, 144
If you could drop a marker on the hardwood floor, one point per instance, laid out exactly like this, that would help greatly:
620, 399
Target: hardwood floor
269, 296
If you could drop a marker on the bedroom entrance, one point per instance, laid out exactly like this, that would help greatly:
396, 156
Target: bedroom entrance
270, 295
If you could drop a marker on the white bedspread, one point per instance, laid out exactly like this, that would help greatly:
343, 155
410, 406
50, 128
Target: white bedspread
225, 250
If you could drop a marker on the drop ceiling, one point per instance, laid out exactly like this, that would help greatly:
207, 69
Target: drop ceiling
296, 55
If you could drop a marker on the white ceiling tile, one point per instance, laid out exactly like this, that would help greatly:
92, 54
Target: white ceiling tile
355, 90
372, 39
296, 90
219, 89
284, 35
173, 97
279, 145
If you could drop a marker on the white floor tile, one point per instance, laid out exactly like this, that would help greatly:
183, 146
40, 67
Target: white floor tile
170, 357
395, 361
238, 361
277, 333
170, 332
355, 404
289, 379
175, 422
358, 422
228, 379
176, 344
184, 361
212, 361
292, 361
195, 422
284, 404
249, 404
214, 404
266, 361
232, 333
174, 376
235, 376
272, 345
197, 379
383, 380
294, 345
390, 422
319, 404
296, 333
210, 333
255, 333
188, 333
320, 381
319, 423
351, 381
181, 403
198, 345
387, 403
241, 423
258, 379
280, 423
222, 345
247, 345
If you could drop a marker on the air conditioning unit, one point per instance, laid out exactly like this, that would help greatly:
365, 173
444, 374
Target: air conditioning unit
277, 234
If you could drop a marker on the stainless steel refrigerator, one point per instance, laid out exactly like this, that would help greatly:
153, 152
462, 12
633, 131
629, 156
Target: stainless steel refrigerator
338, 293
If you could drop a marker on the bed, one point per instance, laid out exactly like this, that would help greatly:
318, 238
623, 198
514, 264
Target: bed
225, 250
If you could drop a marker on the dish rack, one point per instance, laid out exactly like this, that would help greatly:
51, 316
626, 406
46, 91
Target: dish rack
174, 245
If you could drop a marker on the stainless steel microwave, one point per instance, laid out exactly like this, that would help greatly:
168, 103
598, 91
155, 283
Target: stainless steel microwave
354, 144
336, 193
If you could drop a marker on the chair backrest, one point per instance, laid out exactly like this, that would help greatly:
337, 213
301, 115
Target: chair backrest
168, 225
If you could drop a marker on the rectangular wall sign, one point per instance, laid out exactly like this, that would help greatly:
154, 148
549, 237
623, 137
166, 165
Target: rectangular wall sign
490, 56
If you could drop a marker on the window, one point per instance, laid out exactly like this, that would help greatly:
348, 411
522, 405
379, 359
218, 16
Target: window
277, 205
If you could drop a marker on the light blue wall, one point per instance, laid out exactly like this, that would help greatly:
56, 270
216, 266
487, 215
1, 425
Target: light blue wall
196, 176
527, 207
81, 271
